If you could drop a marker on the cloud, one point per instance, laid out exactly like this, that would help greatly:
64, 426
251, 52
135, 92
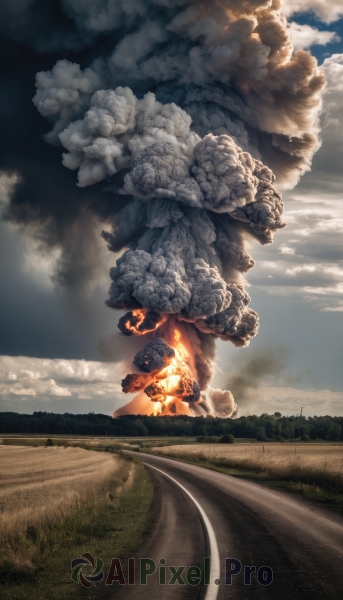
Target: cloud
44, 384
286, 250
304, 273
338, 308
307, 260
305, 36
327, 11
288, 401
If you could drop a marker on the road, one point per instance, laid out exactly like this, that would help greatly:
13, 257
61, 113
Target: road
200, 512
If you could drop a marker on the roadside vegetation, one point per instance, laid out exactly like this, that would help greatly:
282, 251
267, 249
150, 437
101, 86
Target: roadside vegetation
314, 470
58, 503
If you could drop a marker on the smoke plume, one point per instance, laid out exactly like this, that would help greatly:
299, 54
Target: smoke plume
249, 376
192, 119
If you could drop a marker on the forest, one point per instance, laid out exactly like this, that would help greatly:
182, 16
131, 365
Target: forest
262, 428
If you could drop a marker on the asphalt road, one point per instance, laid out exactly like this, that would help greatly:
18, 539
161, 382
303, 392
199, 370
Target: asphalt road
200, 512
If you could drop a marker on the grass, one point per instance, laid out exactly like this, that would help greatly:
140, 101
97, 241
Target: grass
65, 442
94, 443
108, 522
39, 485
315, 472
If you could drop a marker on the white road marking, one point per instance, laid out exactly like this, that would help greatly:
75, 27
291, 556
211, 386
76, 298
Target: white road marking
211, 589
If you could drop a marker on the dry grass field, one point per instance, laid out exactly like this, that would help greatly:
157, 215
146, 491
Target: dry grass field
55, 504
318, 464
80, 442
40, 484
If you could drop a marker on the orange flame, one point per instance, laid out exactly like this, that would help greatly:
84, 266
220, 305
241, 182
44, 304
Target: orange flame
170, 391
138, 317
174, 384
139, 314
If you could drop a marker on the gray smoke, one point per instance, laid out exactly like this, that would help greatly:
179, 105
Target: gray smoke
249, 376
155, 356
150, 322
194, 117
230, 64
219, 403
134, 382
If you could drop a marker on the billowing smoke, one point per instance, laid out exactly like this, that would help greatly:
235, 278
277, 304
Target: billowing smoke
191, 120
219, 403
155, 356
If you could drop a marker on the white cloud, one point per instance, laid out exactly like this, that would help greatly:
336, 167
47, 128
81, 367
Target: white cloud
305, 36
23, 379
333, 290
332, 67
286, 250
301, 269
307, 262
327, 11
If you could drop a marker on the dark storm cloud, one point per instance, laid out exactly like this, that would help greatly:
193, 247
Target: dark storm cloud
34, 320
45, 206
45, 200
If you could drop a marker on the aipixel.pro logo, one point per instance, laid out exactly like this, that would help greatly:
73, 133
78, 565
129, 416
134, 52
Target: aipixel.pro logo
87, 560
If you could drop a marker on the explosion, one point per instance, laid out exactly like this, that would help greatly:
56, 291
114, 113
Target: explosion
191, 120
171, 380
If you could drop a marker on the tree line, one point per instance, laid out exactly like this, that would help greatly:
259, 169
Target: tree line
262, 428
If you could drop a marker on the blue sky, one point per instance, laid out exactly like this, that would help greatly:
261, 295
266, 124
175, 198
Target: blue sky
320, 51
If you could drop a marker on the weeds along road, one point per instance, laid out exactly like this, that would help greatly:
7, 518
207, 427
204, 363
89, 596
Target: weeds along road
300, 542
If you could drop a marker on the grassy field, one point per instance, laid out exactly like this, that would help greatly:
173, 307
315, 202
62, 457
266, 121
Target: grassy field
93, 443
41, 484
57, 503
318, 466
69, 442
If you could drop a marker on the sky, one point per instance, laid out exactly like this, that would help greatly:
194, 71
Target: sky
60, 349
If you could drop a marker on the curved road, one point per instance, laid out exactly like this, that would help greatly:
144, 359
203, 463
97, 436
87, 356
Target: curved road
199, 512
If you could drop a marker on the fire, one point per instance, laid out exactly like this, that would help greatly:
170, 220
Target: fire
141, 322
173, 387
174, 381
138, 316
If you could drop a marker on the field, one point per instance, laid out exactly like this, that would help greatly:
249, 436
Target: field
41, 484
93, 443
56, 503
313, 464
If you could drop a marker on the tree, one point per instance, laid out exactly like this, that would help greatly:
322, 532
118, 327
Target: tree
228, 438
260, 434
